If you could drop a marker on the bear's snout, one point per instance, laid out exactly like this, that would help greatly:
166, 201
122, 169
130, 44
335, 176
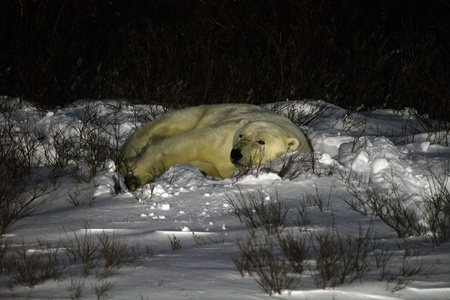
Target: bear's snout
236, 155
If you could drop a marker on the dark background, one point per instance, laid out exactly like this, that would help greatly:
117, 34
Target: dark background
356, 54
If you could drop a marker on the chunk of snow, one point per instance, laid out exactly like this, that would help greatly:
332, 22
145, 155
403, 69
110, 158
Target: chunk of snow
164, 206
361, 161
425, 146
326, 159
379, 164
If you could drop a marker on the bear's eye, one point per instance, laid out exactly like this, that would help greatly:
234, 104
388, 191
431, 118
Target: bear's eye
261, 142
240, 136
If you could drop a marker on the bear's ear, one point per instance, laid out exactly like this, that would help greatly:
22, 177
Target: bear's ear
293, 144
242, 123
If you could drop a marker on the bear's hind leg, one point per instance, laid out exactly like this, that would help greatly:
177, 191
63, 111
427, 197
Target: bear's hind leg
172, 123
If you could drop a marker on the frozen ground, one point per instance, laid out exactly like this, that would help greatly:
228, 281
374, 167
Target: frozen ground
363, 151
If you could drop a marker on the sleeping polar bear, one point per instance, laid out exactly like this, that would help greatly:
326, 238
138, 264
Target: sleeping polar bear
216, 138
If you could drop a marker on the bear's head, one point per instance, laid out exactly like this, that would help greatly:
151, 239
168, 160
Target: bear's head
260, 142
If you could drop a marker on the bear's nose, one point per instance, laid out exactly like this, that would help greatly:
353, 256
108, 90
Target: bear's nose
236, 154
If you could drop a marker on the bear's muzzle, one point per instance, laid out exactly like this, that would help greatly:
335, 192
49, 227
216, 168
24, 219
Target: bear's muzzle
236, 156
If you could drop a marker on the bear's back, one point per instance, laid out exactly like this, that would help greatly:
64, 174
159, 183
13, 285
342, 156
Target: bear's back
221, 113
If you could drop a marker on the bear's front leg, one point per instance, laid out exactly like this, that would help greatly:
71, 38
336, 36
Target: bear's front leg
136, 177
158, 157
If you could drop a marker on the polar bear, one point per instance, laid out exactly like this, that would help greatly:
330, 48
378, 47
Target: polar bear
216, 138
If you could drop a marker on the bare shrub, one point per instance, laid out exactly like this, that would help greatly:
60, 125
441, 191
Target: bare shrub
83, 247
346, 53
75, 288
258, 212
304, 113
388, 205
32, 267
437, 207
104, 248
317, 200
292, 165
404, 274
199, 240
382, 258
303, 220
220, 239
19, 199
175, 243
294, 247
352, 121
144, 195
81, 197
340, 258
116, 252
438, 131
88, 150
101, 288
24, 182
276, 259
270, 270
5, 247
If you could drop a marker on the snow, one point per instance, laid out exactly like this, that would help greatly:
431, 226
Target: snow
375, 149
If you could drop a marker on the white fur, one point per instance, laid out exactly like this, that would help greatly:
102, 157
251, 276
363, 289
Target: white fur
205, 137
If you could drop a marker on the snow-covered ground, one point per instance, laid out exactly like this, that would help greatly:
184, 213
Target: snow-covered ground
382, 152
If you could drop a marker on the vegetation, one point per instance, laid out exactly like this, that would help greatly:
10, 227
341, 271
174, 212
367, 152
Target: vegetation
356, 54
278, 246
277, 259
